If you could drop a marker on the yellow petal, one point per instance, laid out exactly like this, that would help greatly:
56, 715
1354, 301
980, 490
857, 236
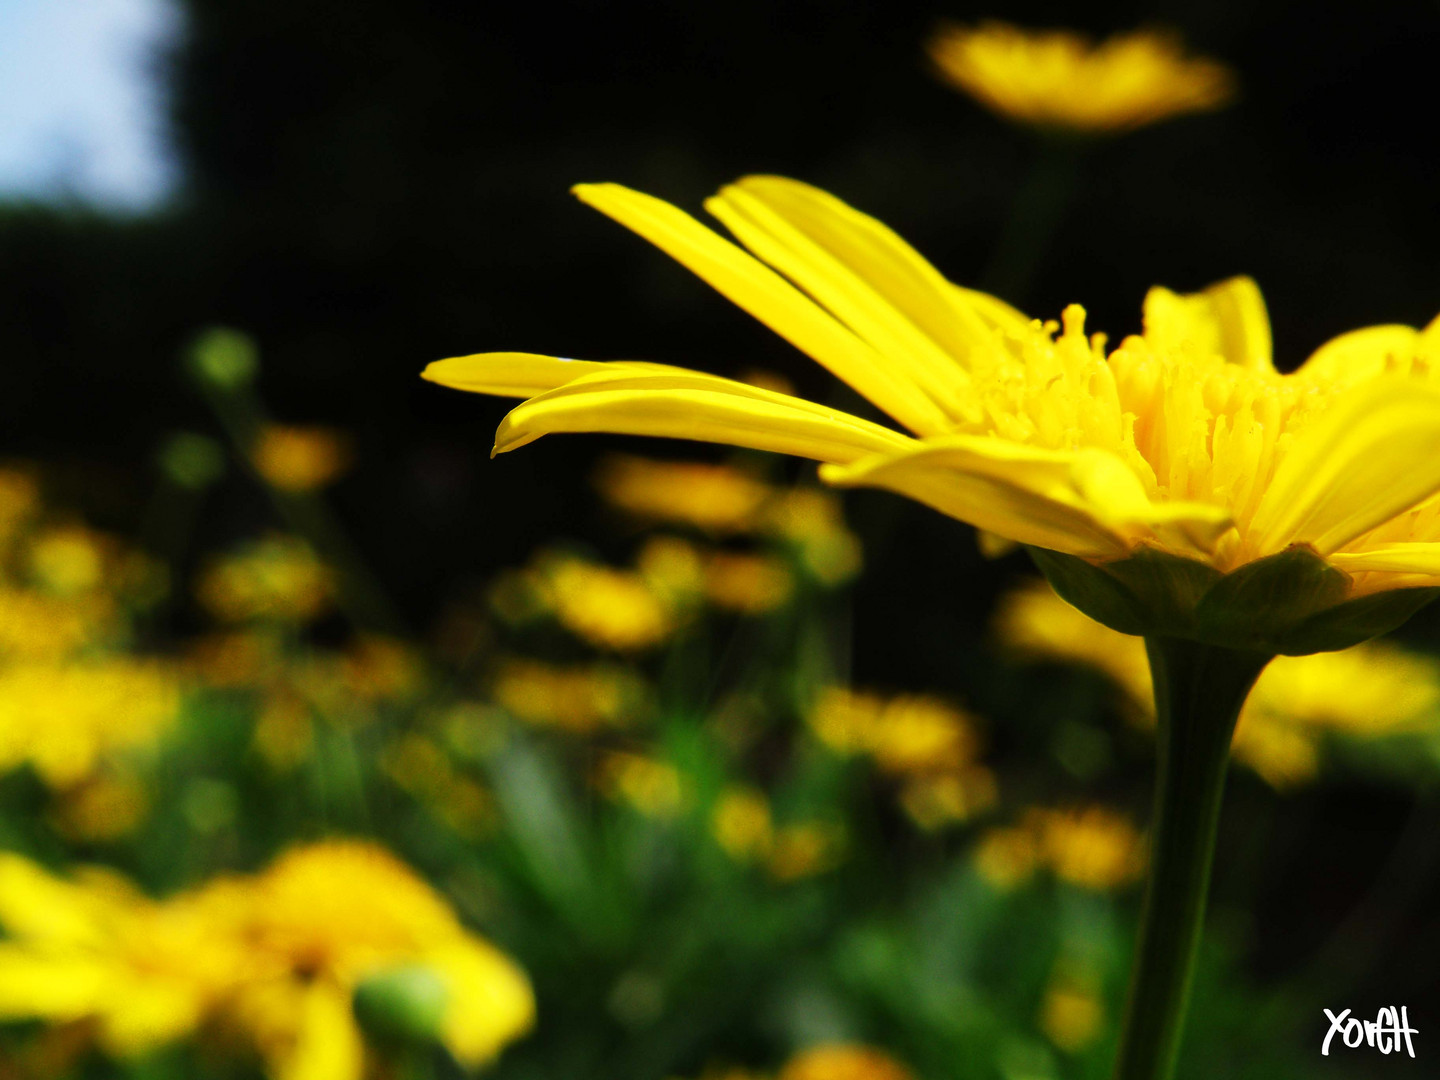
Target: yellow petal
1411, 558
1361, 354
61, 988
995, 313
490, 1002
689, 405
515, 374
1086, 503
328, 1044
770, 298
1373, 456
866, 272
1227, 319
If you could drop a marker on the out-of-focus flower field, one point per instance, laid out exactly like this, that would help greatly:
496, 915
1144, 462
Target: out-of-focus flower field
607, 818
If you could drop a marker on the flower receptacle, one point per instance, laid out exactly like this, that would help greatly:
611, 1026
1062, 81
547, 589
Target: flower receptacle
1292, 603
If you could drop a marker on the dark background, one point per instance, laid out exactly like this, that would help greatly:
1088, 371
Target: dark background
370, 186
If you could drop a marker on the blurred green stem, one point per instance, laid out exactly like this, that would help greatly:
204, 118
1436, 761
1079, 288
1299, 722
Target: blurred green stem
1199, 690
1035, 217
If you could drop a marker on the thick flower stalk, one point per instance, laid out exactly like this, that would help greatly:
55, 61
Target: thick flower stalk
1177, 487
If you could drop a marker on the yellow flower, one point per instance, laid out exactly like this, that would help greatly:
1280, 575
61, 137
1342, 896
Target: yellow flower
326, 917
579, 699
653, 787
1169, 464
911, 733
19, 499
934, 800
612, 609
1092, 847
813, 522
93, 949
843, 1061
65, 719
715, 498
278, 577
803, 849
105, 807
1368, 690
742, 823
1007, 857
1072, 1014
298, 459
34, 625
69, 559
748, 584
1058, 79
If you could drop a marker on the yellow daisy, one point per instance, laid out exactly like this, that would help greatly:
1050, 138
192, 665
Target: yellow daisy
1176, 458
1059, 79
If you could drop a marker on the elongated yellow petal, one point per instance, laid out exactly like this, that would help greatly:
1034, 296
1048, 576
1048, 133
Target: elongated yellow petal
847, 294
328, 1044
871, 254
1373, 456
1361, 354
489, 1000
516, 374
1086, 503
688, 405
995, 313
1226, 319
1412, 558
1239, 309
771, 299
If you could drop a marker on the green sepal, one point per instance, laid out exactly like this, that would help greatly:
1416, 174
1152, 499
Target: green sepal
403, 1006
1292, 603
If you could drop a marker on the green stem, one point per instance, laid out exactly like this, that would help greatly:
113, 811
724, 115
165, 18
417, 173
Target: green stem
1199, 690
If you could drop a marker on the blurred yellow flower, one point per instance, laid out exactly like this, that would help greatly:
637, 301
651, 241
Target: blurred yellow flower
1059, 79
812, 520
1371, 689
843, 1061
715, 498
1007, 856
934, 800
742, 824
803, 849
37, 626
746, 583
611, 609
910, 733
278, 577
19, 499
673, 568
326, 917
65, 719
299, 459
284, 731
1072, 1014
69, 559
580, 699
104, 807
1092, 847
94, 949
278, 956
653, 787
